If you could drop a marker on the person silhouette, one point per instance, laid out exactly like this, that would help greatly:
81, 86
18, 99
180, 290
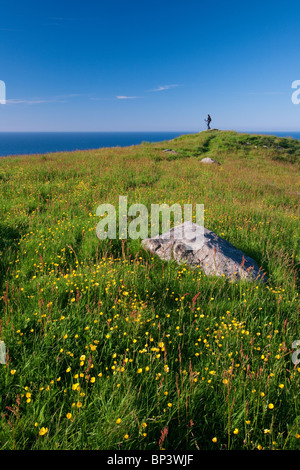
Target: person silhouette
208, 120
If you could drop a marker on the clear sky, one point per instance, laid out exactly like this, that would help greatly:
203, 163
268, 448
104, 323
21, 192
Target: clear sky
149, 65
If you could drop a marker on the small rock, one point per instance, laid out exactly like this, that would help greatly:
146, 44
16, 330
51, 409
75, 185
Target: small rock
170, 151
209, 161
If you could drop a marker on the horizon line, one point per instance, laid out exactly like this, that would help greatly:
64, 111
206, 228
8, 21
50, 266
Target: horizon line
149, 131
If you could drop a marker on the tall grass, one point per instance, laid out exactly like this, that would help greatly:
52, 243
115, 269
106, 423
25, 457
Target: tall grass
108, 347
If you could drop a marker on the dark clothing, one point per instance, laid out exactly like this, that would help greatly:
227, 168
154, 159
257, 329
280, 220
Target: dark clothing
208, 120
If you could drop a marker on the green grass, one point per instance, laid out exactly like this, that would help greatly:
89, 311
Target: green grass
102, 331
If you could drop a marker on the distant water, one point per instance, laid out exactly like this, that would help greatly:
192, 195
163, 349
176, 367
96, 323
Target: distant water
24, 143
20, 143
293, 134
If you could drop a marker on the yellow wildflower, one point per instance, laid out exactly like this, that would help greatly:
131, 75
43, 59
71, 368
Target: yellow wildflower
43, 431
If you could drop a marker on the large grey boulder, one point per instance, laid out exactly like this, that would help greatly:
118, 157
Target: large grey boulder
199, 247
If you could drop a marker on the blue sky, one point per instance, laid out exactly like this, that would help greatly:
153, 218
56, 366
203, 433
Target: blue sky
149, 65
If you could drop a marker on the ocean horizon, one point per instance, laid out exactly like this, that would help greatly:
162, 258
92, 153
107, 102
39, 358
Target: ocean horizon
30, 143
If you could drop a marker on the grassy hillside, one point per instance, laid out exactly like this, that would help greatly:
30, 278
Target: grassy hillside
112, 348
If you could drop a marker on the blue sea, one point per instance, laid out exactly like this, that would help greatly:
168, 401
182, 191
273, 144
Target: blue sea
24, 143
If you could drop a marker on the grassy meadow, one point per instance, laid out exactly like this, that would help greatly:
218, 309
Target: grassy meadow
109, 347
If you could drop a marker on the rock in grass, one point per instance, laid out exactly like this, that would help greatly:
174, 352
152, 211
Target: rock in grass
170, 151
209, 161
216, 256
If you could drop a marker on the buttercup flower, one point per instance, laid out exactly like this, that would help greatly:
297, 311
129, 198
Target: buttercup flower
43, 431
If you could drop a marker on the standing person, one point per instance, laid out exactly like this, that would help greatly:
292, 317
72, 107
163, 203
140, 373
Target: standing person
208, 120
